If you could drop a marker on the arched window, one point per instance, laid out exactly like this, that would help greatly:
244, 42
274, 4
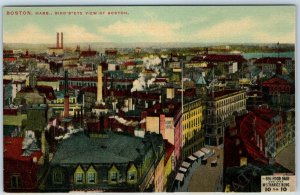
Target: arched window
91, 175
79, 176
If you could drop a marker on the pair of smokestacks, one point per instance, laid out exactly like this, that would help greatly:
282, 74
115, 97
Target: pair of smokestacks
61, 40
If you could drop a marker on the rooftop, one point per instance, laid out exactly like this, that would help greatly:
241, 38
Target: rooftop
13, 149
6, 81
271, 60
278, 79
218, 58
115, 148
223, 93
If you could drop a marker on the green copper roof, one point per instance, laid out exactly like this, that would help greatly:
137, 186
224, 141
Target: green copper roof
201, 81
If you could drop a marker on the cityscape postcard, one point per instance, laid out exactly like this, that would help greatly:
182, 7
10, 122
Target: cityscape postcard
149, 98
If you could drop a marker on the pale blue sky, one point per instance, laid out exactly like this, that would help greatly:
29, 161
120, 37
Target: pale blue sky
238, 24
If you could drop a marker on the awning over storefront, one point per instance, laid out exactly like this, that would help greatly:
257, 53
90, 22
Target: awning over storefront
182, 169
205, 150
199, 154
185, 164
179, 177
192, 158
214, 161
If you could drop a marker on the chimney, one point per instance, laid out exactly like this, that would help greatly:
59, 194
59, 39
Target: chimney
66, 97
81, 116
101, 125
170, 93
43, 145
32, 80
99, 87
279, 68
162, 62
57, 40
130, 104
62, 40
114, 104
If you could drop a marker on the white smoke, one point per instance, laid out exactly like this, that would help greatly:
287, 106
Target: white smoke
59, 137
125, 122
150, 81
186, 79
143, 120
139, 84
150, 63
68, 135
29, 139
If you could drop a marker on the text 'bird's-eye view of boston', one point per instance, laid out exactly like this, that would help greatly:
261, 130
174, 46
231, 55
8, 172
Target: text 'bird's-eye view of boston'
149, 99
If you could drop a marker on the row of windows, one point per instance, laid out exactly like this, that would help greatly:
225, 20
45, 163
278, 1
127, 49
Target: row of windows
231, 108
226, 101
231, 99
192, 106
76, 83
192, 113
90, 176
188, 139
61, 100
192, 124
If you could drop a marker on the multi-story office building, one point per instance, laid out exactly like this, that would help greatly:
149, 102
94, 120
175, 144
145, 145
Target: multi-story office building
220, 106
193, 135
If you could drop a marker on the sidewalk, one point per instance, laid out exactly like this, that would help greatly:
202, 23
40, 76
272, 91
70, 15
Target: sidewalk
187, 178
206, 178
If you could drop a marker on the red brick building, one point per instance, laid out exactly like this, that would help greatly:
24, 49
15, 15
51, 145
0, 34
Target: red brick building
279, 92
262, 133
20, 172
278, 85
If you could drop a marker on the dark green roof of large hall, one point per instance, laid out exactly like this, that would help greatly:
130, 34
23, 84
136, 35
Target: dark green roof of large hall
116, 148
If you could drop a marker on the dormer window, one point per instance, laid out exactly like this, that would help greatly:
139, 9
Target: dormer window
132, 174
79, 178
113, 175
79, 175
91, 175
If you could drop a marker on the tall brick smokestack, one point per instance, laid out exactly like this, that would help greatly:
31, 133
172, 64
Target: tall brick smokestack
66, 97
62, 40
57, 40
99, 85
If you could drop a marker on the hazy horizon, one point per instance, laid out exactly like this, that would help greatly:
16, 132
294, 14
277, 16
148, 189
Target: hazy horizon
161, 24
